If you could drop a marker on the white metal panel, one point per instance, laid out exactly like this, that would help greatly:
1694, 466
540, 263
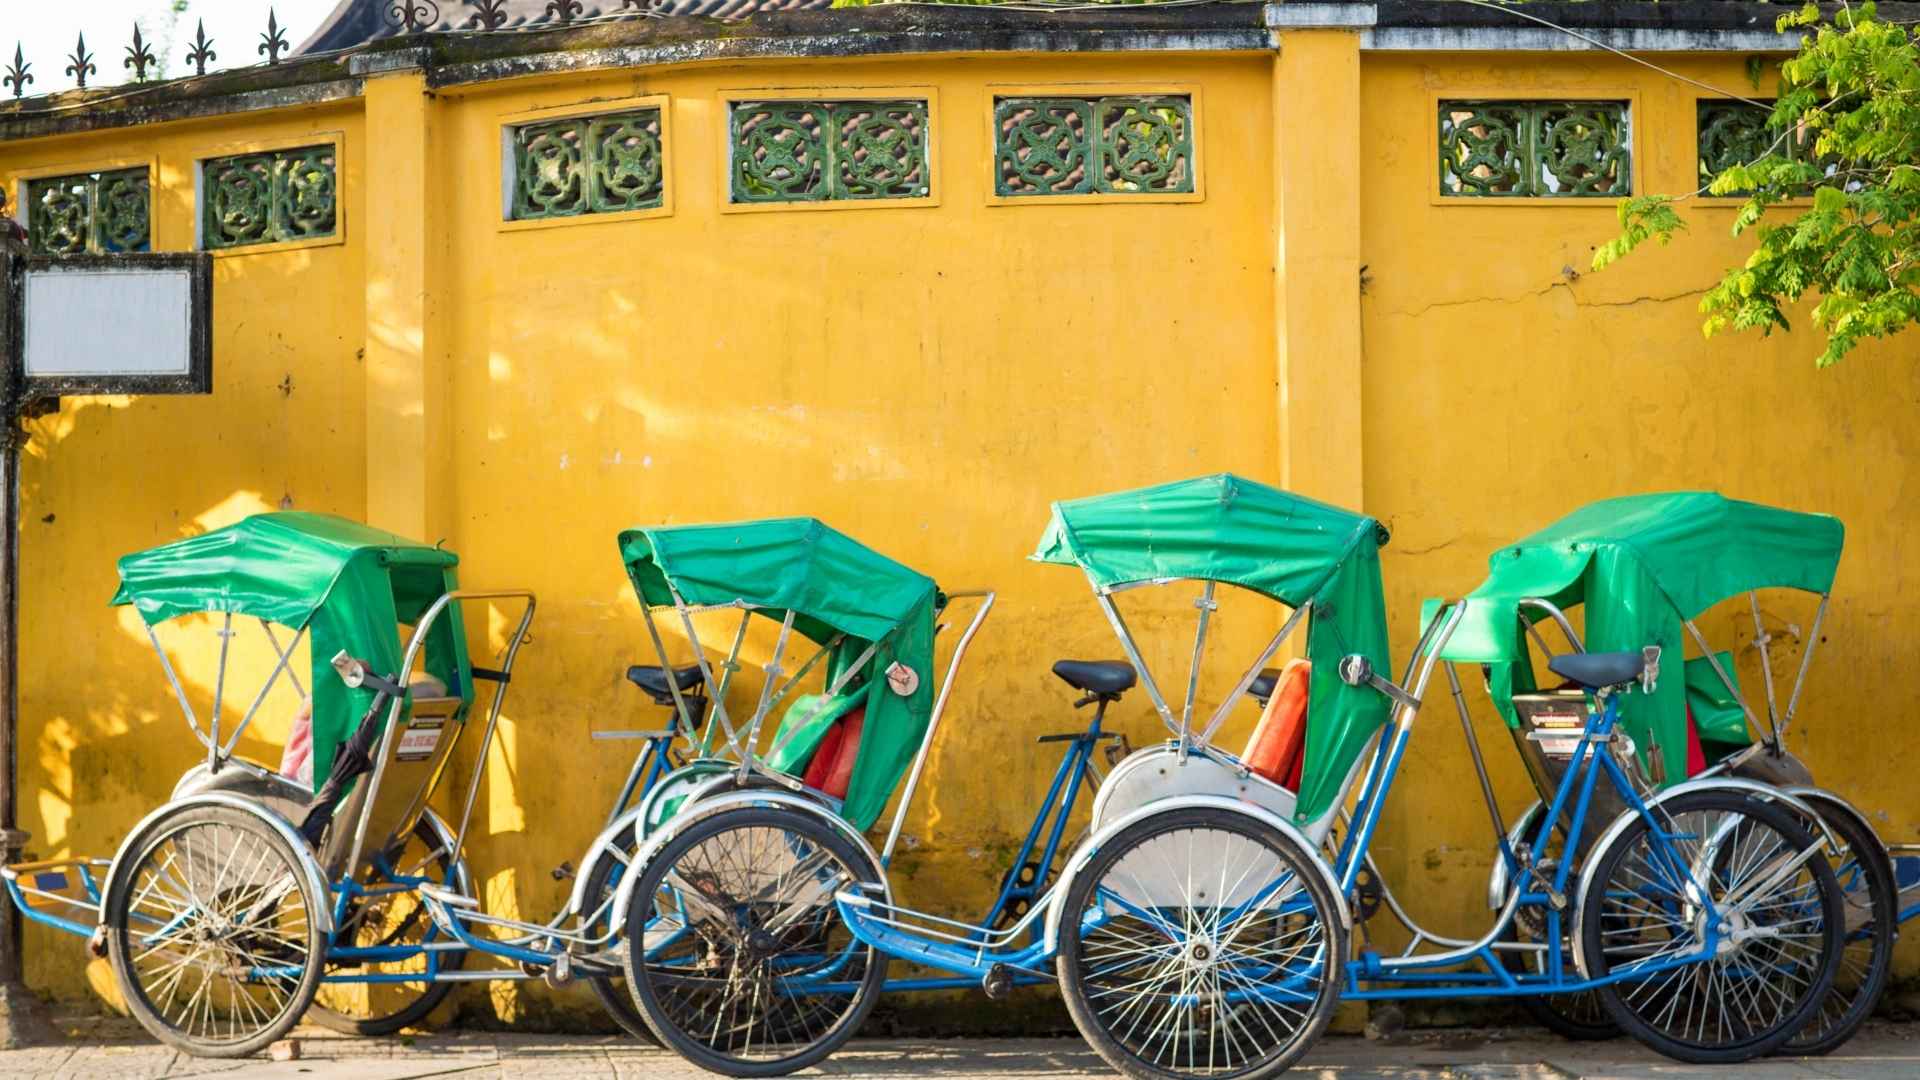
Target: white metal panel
108, 322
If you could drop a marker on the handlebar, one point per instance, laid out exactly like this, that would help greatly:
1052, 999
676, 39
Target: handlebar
357, 673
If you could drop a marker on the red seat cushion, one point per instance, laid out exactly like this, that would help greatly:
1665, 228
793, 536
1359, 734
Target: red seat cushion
1696, 755
1275, 750
830, 770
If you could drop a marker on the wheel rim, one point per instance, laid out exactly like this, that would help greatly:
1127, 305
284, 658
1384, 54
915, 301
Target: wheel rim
217, 932
1201, 953
1854, 970
745, 952
1771, 937
397, 919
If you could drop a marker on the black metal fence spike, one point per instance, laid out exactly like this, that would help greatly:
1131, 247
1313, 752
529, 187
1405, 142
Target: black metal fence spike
202, 50
413, 16
139, 56
564, 10
274, 41
82, 65
18, 75
487, 14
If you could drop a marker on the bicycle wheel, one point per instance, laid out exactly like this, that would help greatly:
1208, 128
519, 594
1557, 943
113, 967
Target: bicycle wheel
603, 879
213, 931
1866, 881
391, 920
736, 955
1200, 943
1776, 944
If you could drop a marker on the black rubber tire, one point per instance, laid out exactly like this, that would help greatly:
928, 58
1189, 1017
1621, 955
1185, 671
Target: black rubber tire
120, 950
1069, 961
1852, 1001
1787, 827
418, 1009
611, 990
647, 990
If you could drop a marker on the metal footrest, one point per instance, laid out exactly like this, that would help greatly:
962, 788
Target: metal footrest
61, 893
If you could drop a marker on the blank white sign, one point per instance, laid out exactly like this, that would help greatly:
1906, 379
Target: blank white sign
108, 322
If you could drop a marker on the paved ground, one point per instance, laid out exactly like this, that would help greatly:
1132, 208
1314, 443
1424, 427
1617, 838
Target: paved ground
1881, 1051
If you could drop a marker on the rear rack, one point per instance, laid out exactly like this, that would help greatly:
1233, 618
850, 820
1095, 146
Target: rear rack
58, 892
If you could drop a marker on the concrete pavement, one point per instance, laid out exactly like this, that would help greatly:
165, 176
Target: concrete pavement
110, 1052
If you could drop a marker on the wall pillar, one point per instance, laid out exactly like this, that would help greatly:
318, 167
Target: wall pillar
407, 368
1316, 110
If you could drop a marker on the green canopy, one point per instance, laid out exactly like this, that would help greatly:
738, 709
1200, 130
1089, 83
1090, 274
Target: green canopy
836, 588
1291, 549
350, 585
1642, 565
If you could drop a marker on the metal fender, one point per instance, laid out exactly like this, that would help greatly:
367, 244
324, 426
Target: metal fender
303, 852
1156, 773
1086, 851
600, 846
1764, 792
691, 780
1497, 880
462, 876
706, 808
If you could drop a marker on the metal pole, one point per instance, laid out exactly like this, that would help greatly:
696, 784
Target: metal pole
22, 1016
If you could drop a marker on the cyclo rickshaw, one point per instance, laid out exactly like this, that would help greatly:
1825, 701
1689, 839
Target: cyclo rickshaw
332, 880
1202, 928
735, 954
1643, 569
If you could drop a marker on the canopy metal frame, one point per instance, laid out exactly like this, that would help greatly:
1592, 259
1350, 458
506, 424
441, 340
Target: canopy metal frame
1182, 728
742, 739
218, 752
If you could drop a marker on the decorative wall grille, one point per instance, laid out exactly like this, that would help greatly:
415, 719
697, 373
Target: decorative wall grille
1134, 145
1540, 149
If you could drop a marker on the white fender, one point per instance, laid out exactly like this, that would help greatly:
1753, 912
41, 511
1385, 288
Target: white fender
1763, 792
1155, 773
1085, 852
600, 846
302, 851
706, 808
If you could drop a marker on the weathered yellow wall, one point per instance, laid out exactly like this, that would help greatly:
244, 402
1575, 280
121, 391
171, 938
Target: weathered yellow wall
1506, 385
101, 742
928, 378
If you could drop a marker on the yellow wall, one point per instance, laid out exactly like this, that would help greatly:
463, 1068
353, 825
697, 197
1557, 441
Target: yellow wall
1506, 385
928, 378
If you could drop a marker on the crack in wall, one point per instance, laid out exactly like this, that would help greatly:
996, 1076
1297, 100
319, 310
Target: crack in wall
1534, 294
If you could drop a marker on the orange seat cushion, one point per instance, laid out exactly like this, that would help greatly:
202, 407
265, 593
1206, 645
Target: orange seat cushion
831, 768
1277, 747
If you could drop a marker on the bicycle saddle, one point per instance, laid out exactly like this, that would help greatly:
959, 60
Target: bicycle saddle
653, 680
1261, 688
1110, 677
1597, 670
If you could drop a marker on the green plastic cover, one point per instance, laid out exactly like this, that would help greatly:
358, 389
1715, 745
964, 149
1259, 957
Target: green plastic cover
1716, 712
836, 588
1642, 565
349, 585
1229, 529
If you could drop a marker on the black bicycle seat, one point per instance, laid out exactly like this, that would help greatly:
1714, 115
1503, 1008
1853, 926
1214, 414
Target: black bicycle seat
1262, 685
1598, 670
1107, 677
653, 680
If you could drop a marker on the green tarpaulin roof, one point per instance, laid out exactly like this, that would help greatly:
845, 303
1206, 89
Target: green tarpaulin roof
1692, 549
1641, 565
349, 585
1229, 529
834, 585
